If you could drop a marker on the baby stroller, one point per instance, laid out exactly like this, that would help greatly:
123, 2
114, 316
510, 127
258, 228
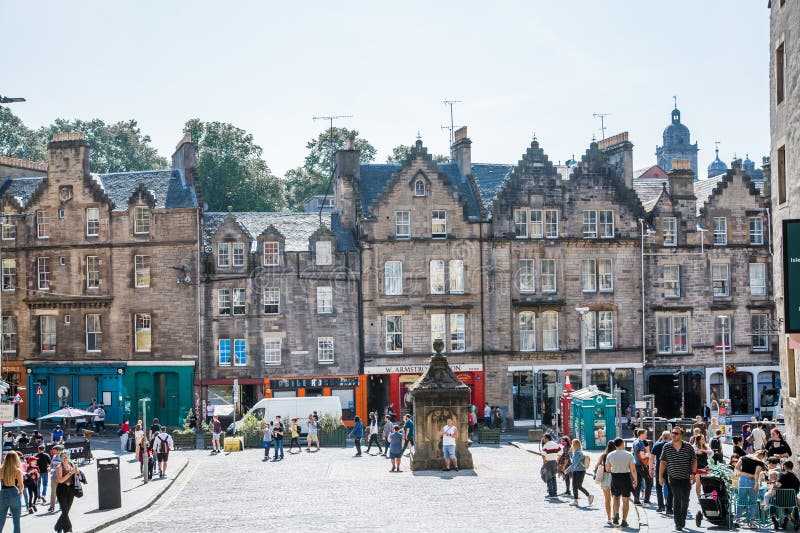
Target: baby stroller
714, 502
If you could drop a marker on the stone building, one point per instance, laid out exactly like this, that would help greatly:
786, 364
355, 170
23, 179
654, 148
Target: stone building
785, 191
279, 309
707, 270
419, 228
99, 284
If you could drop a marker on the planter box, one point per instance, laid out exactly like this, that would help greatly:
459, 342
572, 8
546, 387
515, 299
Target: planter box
489, 436
253, 441
206, 441
335, 438
184, 440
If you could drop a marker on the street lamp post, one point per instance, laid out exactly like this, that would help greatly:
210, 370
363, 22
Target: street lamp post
584, 381
723, 319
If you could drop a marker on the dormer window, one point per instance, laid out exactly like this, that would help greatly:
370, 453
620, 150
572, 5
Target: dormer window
323, 253
141, 220
419, 188
271, 253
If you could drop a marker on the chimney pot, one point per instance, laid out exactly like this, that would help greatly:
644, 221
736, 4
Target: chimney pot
351, 143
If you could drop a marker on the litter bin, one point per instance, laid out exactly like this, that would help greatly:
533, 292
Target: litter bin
109, 492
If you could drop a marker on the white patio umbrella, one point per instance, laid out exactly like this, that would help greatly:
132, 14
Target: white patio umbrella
18, 423
67, 412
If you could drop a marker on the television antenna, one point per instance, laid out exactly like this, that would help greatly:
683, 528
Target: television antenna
452, 127
330, 119
602, 117
9, 100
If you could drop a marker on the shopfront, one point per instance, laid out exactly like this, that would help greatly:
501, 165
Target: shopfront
671, 389
168, 385
535, 389
14, 375
752, 390
77, 386
351, 391
390, 383
219, 392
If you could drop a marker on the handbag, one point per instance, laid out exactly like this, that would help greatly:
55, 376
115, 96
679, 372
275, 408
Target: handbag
77, 488
599, 473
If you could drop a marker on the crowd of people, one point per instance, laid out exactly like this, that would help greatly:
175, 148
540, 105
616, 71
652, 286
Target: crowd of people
672, 464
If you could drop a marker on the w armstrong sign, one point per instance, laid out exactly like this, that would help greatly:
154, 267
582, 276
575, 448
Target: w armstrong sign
791, 274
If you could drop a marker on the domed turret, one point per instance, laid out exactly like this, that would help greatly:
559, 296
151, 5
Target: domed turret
677, 144
717, 166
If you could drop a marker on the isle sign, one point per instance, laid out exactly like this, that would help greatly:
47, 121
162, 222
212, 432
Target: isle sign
791, 274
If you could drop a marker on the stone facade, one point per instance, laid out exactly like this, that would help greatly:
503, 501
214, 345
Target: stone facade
275, 304
707, 268
785, 183
90, 269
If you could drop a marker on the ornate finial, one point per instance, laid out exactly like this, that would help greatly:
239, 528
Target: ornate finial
534, 136
419, 137
594, 139
716, 148
438, 346
675, 100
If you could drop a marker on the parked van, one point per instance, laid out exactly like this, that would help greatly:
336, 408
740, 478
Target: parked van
288, 408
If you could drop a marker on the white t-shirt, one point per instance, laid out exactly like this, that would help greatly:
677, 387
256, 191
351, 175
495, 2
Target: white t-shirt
163, 442
759, 438
551, 450
210, 409
620, 461
448, 438
487, 412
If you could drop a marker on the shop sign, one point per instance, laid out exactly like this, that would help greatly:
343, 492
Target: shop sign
791, 274
303, 383
419, 369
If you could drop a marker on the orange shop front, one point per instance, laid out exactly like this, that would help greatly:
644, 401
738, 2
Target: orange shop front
351, 391
389, 384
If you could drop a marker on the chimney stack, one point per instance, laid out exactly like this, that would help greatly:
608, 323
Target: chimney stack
185, 159
681, 179
68, 156
460, 152
619, 151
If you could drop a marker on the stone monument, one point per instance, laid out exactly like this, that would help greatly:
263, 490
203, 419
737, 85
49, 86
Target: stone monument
438, 395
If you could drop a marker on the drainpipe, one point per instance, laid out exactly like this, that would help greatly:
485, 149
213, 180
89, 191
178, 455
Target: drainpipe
483, 311
199, 299
360, 307
644, 326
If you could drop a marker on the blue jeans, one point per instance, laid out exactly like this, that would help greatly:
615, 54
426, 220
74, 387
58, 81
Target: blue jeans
9, 500
552, 489
278, 448
43, 480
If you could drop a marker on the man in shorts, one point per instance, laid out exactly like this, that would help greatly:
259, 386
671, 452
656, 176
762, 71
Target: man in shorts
163, 445
623, 480
449, 435
216, 430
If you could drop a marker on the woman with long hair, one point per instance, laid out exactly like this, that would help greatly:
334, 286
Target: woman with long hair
605, 484
563, 463
776, 445
11, 490
577, 468
703, 452
64, 492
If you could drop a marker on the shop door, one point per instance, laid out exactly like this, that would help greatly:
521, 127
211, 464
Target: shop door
378, 394
166, 398
108, 393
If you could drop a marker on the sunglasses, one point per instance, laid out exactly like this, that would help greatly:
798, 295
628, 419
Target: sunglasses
676, 432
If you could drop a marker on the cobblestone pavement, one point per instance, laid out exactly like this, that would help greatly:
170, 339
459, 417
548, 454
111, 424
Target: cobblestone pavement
333, 491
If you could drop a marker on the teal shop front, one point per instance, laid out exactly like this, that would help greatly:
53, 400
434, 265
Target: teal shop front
169, 386
80, 385
593, 417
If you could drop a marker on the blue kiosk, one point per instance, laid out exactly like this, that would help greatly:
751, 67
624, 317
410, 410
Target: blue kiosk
593, 417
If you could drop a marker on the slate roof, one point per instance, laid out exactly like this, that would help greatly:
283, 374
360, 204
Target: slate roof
296, 228
373, 180
649, 189
21, 189
490, 178
166, 186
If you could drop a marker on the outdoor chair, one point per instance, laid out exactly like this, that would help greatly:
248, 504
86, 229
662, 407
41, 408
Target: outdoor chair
783, 504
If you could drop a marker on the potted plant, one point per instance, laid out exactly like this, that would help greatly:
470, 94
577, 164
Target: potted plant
332, 432
252, 429
185, 437
205, 430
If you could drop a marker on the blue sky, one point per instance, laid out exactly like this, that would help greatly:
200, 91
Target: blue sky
519, 68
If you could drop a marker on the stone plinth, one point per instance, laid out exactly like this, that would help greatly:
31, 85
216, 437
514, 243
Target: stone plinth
437, 396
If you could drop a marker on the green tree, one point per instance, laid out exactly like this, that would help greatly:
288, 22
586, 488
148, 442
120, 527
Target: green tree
313, 177
118, 147
17, 140
400, 153
231, 170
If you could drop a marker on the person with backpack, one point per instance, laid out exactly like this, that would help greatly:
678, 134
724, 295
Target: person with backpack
716, 447
30, 481
641, 458
388, 427
163, 445
373, 433
602, 478
295, 432
578, 465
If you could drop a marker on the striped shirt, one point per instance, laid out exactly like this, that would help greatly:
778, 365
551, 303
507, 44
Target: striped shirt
680, 463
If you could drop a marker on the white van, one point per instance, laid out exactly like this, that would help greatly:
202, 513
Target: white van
288, 408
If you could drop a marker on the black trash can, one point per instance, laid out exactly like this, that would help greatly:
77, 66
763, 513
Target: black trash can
109, 491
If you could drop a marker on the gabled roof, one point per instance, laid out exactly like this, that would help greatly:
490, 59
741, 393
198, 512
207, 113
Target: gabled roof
166, 186
651, 172
20, 189
706, 189
372, 182
296, 228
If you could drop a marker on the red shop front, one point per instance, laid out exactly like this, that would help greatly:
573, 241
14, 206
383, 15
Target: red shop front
389, 383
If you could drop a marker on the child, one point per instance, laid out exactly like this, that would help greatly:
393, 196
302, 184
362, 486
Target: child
295, 429
31, 481
770, 483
